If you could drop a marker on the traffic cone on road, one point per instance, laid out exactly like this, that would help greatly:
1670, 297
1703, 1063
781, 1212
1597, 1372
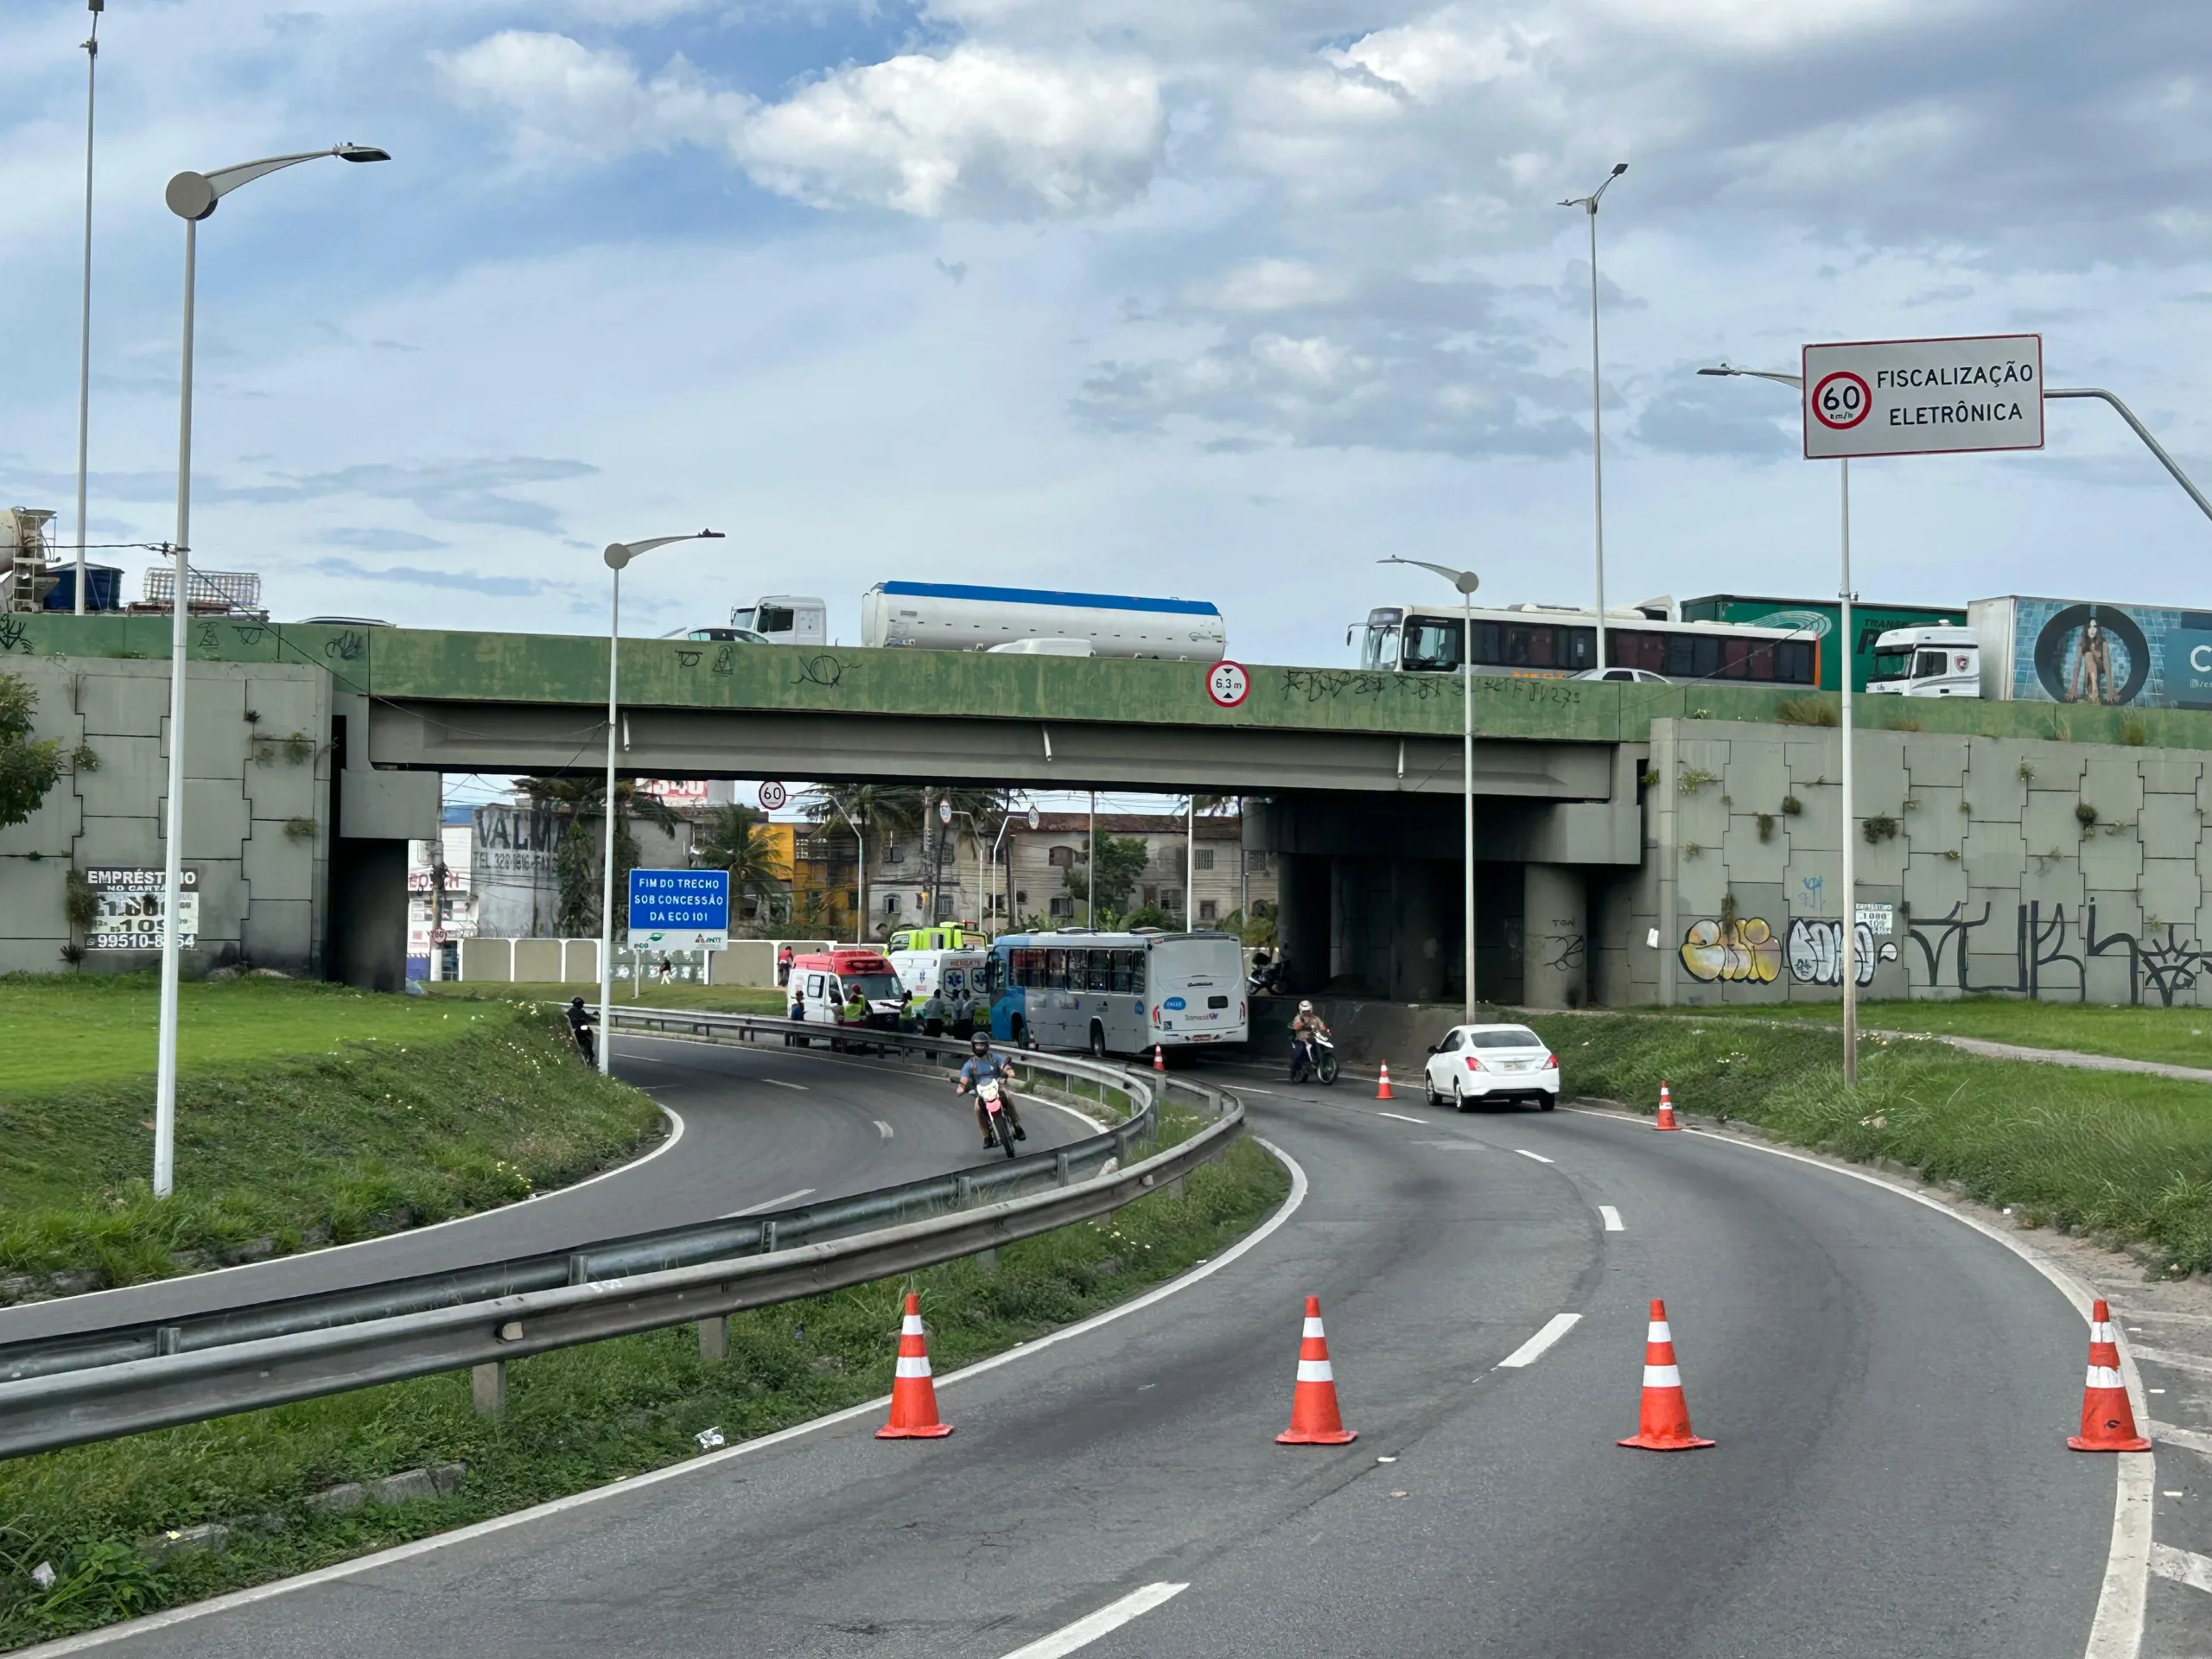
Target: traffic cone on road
2108, 1420
1382, 1084
1666, 1110
913, 1397
1664, 1422
1313, 1419
1158, 1058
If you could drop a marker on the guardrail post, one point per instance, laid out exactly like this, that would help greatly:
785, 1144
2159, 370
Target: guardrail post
488, 1388
713, 1339
168, 1340
1063, 1171
988, 1258
1175, 1189
963, 1191
767, 1238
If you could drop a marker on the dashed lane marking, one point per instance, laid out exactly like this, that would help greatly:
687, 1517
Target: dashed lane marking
1538, 1156
780, 1084
1088, 1629
2189, 1440
1613, 1218
1401, 1116
1533, 1349
883, 1129
2181, 1566
769, 1203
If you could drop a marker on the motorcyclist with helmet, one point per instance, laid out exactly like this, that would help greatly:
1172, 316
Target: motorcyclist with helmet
1305, 1025
985, 1065
581, 1021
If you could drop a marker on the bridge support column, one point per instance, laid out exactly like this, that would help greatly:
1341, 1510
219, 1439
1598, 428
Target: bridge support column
1417, 939
1555, 938
1302, 918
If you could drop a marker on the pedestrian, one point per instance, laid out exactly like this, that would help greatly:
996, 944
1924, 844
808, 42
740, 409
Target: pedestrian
933, 1014
783, 966
667, 970
963, 1013
798, 1012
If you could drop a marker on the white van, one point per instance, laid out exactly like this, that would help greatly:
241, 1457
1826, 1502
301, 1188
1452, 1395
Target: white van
950, 971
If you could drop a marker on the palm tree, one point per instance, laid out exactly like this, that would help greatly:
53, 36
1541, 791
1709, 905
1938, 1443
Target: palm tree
575, 865
729, 838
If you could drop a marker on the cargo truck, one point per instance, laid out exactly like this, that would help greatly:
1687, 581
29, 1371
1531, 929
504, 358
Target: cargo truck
2018, 649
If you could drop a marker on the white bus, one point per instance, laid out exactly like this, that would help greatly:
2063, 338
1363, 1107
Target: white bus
1117, 993
954, 616
1558, 641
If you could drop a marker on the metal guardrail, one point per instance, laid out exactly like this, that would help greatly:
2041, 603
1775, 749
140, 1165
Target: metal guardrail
96, 1385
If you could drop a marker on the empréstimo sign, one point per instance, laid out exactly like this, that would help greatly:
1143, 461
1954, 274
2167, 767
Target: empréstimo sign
1923, 397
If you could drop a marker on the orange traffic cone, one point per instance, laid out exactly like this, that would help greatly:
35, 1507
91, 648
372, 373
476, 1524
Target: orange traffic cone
2108, 1420
1663, 1424
1666, 1110
1382, 1084
1158, 1058
1313, 1419
913, 1397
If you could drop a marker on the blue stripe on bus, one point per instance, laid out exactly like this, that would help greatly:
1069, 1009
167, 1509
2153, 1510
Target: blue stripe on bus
1041, 596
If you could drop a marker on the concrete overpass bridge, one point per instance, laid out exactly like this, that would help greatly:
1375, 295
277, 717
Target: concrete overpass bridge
1353, 778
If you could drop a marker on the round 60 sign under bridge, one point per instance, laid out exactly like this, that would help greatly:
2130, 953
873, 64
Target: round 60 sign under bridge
1227, 684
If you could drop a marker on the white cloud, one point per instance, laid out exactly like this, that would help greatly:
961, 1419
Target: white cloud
565, 99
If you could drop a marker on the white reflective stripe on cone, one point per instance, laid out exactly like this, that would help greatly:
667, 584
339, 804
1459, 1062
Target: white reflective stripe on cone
1313, 1328
2102, 1376
1315, 1371
2102, 1333
917, 1366
911, 1325
1663, 1376
1660, 1332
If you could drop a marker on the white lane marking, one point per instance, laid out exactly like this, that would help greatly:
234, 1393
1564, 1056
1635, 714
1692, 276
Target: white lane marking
2179, 1361
1533, 1349
2117, 1631
780, 1084
130, 1629
1613, 1218
769, 1203
1088, 1629
675, 1134
2189, 1439
1401, 1118
1538, 1156
883, 1129
2181, 1566
647, 1059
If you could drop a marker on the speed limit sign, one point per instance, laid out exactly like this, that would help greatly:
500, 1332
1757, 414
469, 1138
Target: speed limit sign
772, 797
1841, 400
1227, 684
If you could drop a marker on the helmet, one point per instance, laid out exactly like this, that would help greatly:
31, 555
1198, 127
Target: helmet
575, 1001
980, 1042
1306, 1008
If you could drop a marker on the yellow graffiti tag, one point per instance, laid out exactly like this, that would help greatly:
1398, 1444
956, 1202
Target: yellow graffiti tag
1735, 952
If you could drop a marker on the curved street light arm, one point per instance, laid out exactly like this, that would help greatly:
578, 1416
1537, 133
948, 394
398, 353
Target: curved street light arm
1466, 580
618, 554
2142, 432
1774, 375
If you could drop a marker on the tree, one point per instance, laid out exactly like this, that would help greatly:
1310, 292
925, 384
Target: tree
731, 838
1121, 860
577, 864
27, 770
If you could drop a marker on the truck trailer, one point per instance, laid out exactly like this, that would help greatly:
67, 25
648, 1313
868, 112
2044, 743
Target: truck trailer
956, 616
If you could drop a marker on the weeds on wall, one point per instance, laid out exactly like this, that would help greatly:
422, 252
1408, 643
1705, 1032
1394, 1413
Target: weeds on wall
2134, 733
1807, 711
1791, 806
1694, 779
1879, 828
2086, 815
1766, 825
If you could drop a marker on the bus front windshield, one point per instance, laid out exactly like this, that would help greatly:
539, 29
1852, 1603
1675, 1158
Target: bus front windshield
1379, 652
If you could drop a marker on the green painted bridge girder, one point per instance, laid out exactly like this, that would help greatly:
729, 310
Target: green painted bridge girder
421, 666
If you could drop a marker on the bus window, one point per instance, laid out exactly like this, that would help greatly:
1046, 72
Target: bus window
1430, 643
1128, 973
993, 976
1056, 970
1488, 646
1097, 969
1793, 662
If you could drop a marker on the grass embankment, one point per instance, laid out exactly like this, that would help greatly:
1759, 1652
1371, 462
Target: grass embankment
2176, 1036
717, 999
306, 1114
575, 1419
2116, 1155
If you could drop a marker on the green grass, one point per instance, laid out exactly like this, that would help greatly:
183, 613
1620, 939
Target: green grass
575, 1419
2117, 1155
719, 999
2176, 1036
78, 1028
346, 1116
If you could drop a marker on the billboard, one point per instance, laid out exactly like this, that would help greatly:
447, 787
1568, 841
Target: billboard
2082, 650
130, 908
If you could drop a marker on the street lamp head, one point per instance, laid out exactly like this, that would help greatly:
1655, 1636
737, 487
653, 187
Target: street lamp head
1722, 369
617, 555
350, 152
190, 195
1619, 168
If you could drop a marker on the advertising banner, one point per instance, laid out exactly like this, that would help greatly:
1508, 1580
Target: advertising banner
130, 908
2069, 651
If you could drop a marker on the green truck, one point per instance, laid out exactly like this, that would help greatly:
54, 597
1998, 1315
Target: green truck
1869, 621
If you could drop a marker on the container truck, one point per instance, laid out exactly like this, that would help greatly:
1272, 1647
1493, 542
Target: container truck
2084, 651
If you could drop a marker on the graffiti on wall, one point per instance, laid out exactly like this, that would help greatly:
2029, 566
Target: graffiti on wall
1815, 949
2041, 961
1741, 952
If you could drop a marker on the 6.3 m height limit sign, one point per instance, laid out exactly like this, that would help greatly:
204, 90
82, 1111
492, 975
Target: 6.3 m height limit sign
1923, 397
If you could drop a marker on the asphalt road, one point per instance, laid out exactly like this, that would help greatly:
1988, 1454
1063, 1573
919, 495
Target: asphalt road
1890, 1391
763, 1127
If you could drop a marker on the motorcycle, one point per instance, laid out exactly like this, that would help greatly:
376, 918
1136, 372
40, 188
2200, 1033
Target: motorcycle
1002, 1126
1320, 1060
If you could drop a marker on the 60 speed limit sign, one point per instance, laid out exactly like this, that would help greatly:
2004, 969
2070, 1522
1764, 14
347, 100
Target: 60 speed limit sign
772, 797
1841, 400
1227, 684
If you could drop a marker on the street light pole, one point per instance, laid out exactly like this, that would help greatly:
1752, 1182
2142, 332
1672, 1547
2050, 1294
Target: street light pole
1589, 203
85, 318
191, 197
618, 555
1466, 581
1845, 652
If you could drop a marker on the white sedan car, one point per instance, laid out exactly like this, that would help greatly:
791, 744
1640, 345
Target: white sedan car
1484, 1063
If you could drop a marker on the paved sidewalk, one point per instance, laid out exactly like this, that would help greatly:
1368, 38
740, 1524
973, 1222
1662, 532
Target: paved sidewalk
2057, 1056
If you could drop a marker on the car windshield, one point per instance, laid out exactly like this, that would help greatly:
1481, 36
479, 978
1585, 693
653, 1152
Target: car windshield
1506, 1036
877, 988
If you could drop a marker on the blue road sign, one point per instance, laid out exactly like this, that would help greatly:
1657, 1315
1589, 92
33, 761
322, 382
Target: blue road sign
679, 901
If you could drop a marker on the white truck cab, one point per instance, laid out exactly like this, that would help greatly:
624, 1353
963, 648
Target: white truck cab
785, 619
1939, 662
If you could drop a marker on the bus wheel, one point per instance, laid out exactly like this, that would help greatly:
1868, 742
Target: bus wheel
1098, 1040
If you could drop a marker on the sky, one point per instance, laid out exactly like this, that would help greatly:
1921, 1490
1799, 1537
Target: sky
1223, 300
